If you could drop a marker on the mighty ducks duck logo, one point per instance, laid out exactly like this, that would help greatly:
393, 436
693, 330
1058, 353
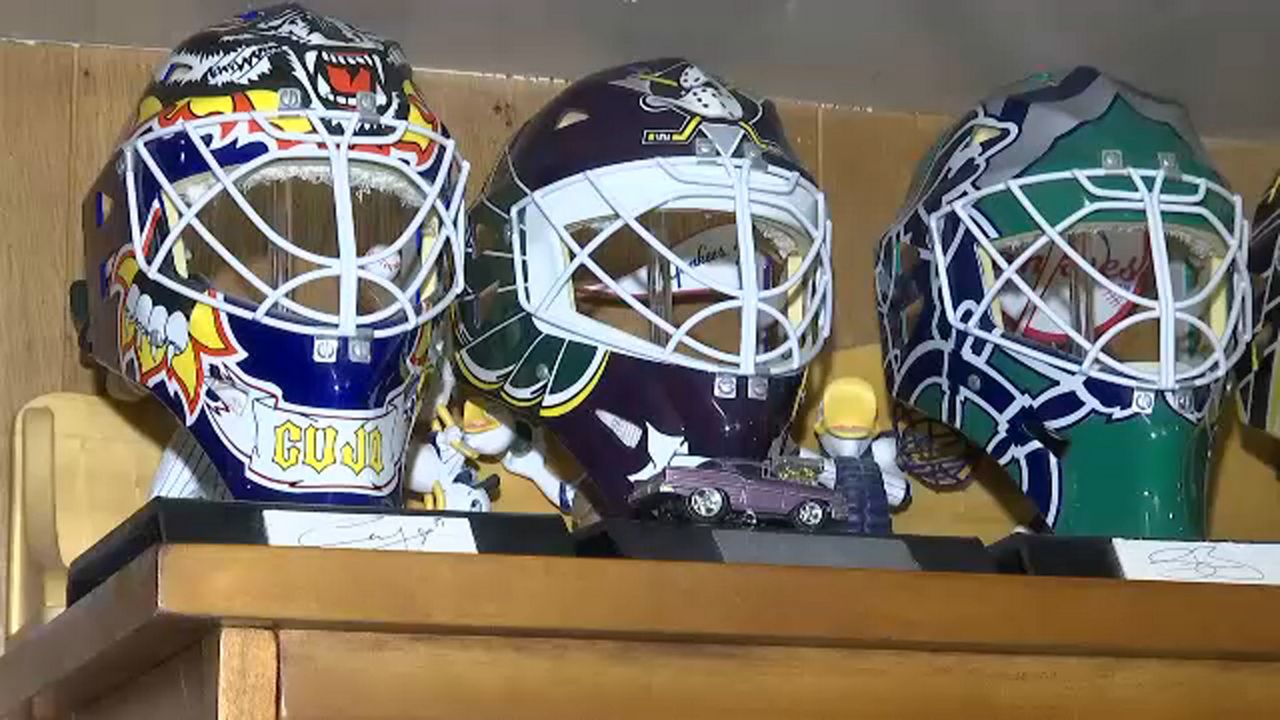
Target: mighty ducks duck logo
166, 339
704, 102
685, 87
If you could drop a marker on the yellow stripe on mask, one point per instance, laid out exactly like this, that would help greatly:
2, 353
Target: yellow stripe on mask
179, 253
989, 281
795, 303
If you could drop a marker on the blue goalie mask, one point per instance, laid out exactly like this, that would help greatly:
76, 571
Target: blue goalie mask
270, 248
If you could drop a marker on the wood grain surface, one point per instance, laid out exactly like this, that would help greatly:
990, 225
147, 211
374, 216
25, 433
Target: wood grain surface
36, 87
248, 674
426, 677
183, 687
103, 642
739, 603
231, 674
692, 620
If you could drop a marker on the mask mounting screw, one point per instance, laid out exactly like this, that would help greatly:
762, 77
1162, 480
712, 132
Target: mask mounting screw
1169, 164
754, 157
974, 382
726, 387
1184, 401
1144, 401
290, 98
758, 388
1112, 160
360, 347
324, 350
704, 148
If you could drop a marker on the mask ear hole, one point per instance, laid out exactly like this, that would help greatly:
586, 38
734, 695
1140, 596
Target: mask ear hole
983, 133
176, 72
1218, 305
570, 118
988, 280
102, 208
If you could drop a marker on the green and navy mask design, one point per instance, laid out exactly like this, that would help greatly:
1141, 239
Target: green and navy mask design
1067, 286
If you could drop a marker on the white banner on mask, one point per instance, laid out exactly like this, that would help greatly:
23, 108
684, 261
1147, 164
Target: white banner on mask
306, 452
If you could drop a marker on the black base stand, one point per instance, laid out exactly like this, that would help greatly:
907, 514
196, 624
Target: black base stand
1051, 555
169, 521
652, 540
1219, 561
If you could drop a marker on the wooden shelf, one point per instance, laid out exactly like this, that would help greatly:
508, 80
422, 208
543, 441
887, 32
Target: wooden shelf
340, 626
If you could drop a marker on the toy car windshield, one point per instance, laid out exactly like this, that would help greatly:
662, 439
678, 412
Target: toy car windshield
796, 469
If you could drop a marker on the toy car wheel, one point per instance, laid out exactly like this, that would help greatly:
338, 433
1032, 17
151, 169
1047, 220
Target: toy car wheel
707, 504
810, 514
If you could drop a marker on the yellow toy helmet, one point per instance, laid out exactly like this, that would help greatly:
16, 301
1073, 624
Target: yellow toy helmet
848, 409
476, 419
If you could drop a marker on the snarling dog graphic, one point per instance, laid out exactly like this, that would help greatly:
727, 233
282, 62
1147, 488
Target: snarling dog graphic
330, 61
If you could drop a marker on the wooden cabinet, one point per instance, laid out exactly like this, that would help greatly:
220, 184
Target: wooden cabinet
234, 632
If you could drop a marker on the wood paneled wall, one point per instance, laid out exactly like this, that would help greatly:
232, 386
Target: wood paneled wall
62, 107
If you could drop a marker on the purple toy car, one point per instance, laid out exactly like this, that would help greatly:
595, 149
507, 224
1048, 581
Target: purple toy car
714, 489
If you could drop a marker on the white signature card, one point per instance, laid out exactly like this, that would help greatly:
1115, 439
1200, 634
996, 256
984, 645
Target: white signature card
1214, 562
406, 533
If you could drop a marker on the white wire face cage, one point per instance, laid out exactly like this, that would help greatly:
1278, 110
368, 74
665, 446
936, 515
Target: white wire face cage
1158, 302
720, 265
412, 271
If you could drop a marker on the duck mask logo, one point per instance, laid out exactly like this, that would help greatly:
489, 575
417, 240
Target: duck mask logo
698, 100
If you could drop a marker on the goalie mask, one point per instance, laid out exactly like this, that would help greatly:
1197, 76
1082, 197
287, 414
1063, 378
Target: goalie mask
270, 248
1258, 369
1067, 286
649, 274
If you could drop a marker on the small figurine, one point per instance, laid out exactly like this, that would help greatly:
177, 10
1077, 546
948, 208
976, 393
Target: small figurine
867, 473
443, 467
494, 432
440, 473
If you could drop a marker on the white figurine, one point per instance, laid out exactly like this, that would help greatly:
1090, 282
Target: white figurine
491, 433
438, 470
846, 431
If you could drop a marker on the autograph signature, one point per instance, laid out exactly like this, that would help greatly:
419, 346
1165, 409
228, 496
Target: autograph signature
1201, 562
377, 532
